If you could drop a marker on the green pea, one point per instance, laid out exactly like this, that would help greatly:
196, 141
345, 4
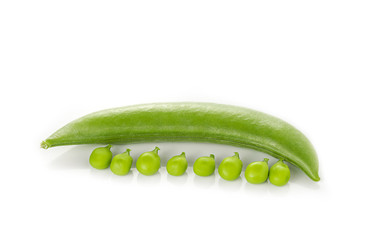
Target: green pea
279, 173
121, 163
101, 157
231, 167
177, 165
257, 172
149, 162
204, 166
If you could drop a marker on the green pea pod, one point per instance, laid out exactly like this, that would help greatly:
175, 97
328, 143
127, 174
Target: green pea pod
197, 122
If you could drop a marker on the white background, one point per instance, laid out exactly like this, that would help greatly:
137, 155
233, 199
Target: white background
307, 62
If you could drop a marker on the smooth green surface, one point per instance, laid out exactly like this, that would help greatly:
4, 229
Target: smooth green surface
101, 157
149, 162
121, 163
279, 174
204, 166
177, 165
257, 172
196, 122
230, 168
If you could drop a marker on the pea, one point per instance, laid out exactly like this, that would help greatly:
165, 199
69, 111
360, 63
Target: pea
149, 162
231, 167
177, 165
279, 173
257, 172
121, 163
101, 157
204, 166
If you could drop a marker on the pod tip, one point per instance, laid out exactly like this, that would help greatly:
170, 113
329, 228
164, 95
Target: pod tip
44, 145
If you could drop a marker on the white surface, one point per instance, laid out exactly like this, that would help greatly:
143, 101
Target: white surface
306, 62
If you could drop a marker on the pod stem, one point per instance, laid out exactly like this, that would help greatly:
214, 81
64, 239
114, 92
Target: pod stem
212, 156
266, 160
237, 154
182, 154
109, 146
44, 145
156, 149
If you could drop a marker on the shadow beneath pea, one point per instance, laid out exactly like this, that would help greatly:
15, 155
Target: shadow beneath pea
204, 182
148, 180
125, 179
177, 180
232, 186
261, 188
279, 190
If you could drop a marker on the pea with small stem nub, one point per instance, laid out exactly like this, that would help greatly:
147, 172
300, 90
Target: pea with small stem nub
279, 173
101, 157
177, 165
231, 167
149, 162
204, 166
121, 163
257, 172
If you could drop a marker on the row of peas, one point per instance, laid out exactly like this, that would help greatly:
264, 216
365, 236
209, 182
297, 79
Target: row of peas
230, 168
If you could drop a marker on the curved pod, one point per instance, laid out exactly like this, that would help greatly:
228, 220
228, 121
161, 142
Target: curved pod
190, 121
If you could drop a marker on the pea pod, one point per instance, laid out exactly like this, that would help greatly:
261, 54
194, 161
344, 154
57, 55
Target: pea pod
197, 122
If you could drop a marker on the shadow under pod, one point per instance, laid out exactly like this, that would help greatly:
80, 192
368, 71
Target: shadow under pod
72, 159
297, 176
